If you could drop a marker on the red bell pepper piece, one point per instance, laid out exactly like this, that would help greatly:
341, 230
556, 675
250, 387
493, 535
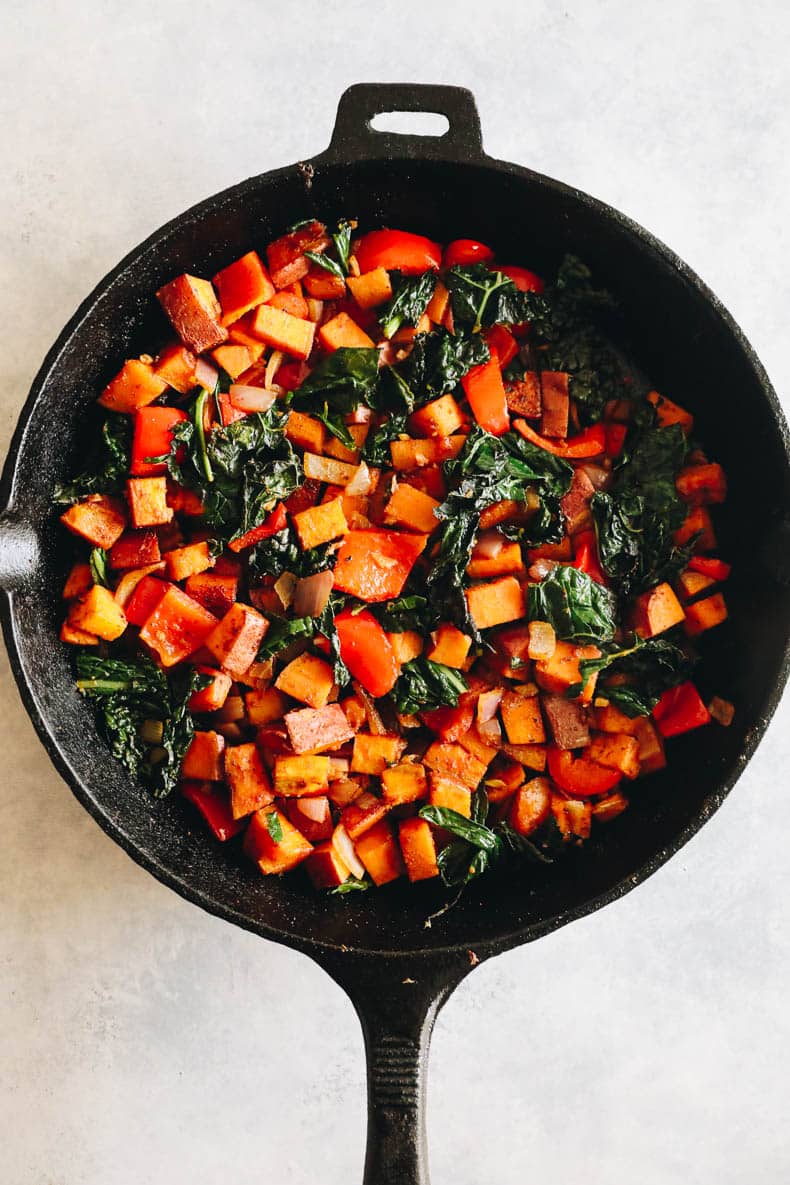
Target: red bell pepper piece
522, 277
485, 391
374, 565
276, 521
679, 710
135, 549
589, 443
578, 776
214, 807
144, 599
716, 569
367, 652
615, 438
153, 429
585, 549
229, 412
450, 724
502, 341
466, 251
290, 375
242, 286
286, 255
398, 250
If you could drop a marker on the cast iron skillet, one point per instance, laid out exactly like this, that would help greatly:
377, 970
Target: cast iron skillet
397, 972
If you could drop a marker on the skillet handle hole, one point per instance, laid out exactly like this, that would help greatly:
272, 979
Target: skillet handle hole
410, 123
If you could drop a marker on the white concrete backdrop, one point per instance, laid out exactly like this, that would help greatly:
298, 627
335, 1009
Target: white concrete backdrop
142, 1041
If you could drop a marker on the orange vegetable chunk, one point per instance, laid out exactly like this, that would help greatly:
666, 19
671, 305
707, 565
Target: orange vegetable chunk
283, 331
97, 612
496, 603
235, 640
531, 806
343, 331
275, 856
371, 289
250, 788
177, 627
380, 854
191, 560
242, 286
134, 386
418, 849
374, 565
657, 610
194, 312
411, 508
307, 678
98, 519
147, 498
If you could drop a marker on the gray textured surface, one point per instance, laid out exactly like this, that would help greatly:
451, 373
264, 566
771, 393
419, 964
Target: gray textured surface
142, 1042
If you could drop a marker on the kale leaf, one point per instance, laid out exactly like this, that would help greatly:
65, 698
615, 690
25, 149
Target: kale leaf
108, 465
481, 297
411, 612
283, 553
409, 301
99, 567
436, 364
376, 450
424, 685
336, 386
580, 609
285, 630
652, 665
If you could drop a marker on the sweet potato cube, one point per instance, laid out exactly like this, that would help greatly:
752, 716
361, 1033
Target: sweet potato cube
363, 813
531, 806
177, 366
411, 508
134, 386
522, 719
319, 284
295, 777
440, 417
235, 640
702, 485
325, 867
572, 816
451, 760
308, 679
265, 705
656, 611
418, 849
204, 757
530, 756
283, 331
235, 359
562, 670
135, 549
670, 413
78, 581
615, 750
380, 854
370, 289
698, 526
372, 754
77, 637
524, 396
343, 330
446, 793
449, 647
242, 286
187, 561
286, 255
610, 807
194, 312
211, 698
147, 498
495, 603
334, 448
508, 561
542, 640
246, 775
98, 519
473, 743
215, 591
611, 719
704, 615
405, 782
651, 747
692, 583
97, 612
555, 403
417, 454
305, 432
177, 626
320, 524
407, 645
275, 855
313, 730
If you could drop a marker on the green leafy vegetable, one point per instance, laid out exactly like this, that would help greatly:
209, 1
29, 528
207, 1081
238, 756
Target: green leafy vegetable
282, 632
99, 567
636, 518
129, 692
411, 612
580, 609
352, 885
653, 665
436, 364
476, 834
342, 240
424, 685
336, 386
108, 463
376, 450
409, 301
274, 826
327, 263
481, 297
283, 553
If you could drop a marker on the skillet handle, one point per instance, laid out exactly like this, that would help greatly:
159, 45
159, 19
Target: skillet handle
354, 138
18, 551
397, 1008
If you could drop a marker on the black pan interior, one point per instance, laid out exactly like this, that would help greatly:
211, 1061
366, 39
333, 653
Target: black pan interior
681, 339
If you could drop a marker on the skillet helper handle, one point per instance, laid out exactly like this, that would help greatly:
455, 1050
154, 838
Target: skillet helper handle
354, 137
18, 551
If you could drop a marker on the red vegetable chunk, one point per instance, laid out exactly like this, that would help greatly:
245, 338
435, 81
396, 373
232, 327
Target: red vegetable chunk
375, 565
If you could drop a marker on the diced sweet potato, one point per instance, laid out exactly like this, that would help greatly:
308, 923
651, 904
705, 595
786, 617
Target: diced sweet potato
451, 760
562, 670
530, 756
651, 747
405, 782
363, 813
610, 807
286, 255
321, 285
523, 396
177, 366
576, 503
542, 640
693, 583
235, 359
283, 331
704, 615
372, 754
312, 730
295, 777
495, 603
211, 698
416, 454
446, 793
567, 721
343, 331
371, 289
308, 679
177, 626
531, 806
722, 711
615, 750
204, 757
275, 855
215, 591
242, 286
77, 637
656, 611
147, 498
507, 561
334, 448
440, 417
265, 705
99, 519
250, 788
522, 719
611, 719
191, 560
78, 581
697, 525
406, 645
449, 647
325, 867
235, 640
97, 612
380, 854
702, 485
306, 432
411, 508
320, 524
418, 849
555, 403
135, 549
194, 312
572, 816
134, 386
670, 413
474, 744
